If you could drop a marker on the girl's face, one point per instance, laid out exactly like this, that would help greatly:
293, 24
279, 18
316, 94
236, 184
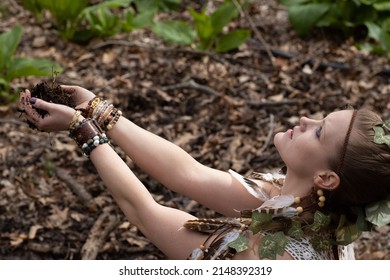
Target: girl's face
307, 148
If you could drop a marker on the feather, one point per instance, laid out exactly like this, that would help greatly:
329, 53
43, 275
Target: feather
279, 206
251, 186
223, 245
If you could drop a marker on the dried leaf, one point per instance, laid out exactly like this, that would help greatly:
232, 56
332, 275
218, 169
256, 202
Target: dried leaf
33, 231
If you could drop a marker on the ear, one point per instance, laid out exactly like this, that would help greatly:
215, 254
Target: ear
327, 180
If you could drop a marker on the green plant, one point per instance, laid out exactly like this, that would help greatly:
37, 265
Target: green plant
156, 5
15, 67
208, 30
102, 22
65, 13
347, 16
78, 21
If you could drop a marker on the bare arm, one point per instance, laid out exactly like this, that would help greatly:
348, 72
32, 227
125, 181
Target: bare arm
160, 224
176, 169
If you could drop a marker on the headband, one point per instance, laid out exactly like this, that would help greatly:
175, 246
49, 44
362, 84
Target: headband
346, 140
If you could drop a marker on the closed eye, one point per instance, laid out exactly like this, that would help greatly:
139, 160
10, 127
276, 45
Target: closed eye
318, 132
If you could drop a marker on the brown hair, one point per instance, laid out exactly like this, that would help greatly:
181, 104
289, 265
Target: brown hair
365, 174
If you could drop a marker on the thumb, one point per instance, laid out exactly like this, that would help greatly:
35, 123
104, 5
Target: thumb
39, 103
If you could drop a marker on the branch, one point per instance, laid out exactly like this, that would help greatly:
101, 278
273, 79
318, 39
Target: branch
104, 224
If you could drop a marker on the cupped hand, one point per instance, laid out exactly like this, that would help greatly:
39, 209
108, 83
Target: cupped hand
80, 95
58, 116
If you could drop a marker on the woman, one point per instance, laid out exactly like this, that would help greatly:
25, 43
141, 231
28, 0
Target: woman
334, 170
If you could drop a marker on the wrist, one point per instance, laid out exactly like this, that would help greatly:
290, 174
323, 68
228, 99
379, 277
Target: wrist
88, 135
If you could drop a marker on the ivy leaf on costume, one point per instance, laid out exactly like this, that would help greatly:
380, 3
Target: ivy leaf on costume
259, 220
240, 244
379, 213
320, 221
346, 233
271, 245
380, 136
296, 230
321, 242
361, 223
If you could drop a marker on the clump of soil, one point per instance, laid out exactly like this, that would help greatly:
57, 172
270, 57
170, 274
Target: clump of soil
52, 92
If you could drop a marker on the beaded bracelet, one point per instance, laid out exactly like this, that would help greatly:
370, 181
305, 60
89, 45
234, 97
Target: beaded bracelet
88, 135
103, 112
92, 104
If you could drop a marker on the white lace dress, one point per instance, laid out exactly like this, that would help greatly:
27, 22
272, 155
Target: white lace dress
298, 249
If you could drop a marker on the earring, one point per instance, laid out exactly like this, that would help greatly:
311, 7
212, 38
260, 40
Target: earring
321, 198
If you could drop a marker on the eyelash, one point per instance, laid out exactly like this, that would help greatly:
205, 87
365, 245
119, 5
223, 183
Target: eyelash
318, 132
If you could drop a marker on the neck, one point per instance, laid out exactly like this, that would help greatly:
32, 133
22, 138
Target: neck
297, 185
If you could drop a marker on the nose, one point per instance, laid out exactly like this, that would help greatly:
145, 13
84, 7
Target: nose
304, 122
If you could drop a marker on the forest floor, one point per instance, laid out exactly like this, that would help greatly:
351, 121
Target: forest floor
221, 108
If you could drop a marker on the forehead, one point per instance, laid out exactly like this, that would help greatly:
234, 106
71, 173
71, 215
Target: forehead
340, 118
337, 123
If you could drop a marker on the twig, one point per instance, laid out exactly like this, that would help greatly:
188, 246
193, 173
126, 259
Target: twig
191, 84
270, 133
12, 121
272, 103
159, 49
255, 30
104, 224
85, 197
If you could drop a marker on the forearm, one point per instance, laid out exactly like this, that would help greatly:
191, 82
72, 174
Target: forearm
161, 159
129, 193
162, 225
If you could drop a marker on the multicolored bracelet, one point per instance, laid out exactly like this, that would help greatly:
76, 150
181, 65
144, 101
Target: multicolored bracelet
103, 112
88, 135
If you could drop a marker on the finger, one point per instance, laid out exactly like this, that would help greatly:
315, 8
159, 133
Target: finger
69, 88
40, 104
24, 98
32, 117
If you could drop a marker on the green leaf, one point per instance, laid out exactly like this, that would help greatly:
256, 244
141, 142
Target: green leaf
9, 42
374, 30
347, 234
384, 40
204, 28
304, 17
321, 221
289, 3
143, 19
321, 242
167, 5
147, 5
240, 244
272, 245
177, 32
379, 213
382, 6
361, 223
380, 137
259, 221
232, 40
64, 12
296, 230
223, 16
33, 6
24, 66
